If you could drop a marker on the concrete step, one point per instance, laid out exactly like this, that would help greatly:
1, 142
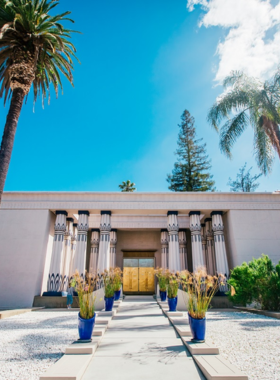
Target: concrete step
106, 313
215, 367
102, 321
174, 313
183, 330
99, 331
180, 321
201, 348
69, 367
82, 348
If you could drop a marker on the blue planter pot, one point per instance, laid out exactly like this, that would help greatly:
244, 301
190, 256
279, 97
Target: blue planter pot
172, 303
117, 295
198, 328
109, 303
85, 327
162, 295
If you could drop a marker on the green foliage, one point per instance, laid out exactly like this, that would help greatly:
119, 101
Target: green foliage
117, 280
127, 187
257, 281
244, 182
28, 28
248, 101
190, 173
109, 286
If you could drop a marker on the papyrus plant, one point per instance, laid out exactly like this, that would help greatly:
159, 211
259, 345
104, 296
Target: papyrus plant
108, 278
201, 288
117, 280
162, 276
173, 281
85, 288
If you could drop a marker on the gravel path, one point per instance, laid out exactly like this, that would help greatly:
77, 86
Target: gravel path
31, 342
249, 341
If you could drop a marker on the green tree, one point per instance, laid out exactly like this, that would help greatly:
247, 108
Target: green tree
34, 49
244, 182
256, 281
127, 187
248, 101
190, 172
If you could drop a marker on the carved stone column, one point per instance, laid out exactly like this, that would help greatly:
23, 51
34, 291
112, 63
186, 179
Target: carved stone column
79, 262
219, 241
56, 267
94, 251
204, 244
113, 244
164, 248
174, 254
67, 252
195, 227
183, 250
211, 261
104, 245
73, 248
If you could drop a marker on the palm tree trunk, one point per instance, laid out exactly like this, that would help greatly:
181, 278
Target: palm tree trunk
9, 135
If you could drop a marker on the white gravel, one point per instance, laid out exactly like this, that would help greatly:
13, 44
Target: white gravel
31, 342
249, 341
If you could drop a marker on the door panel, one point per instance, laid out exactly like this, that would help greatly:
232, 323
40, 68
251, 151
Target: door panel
130, 279
146, 279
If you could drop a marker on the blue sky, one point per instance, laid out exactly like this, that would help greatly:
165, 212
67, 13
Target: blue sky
142, 64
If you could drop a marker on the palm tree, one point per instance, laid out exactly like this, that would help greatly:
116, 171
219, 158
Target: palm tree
127, 187
34, 49
248, 101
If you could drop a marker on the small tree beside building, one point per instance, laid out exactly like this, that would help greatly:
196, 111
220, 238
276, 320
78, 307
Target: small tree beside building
191, 171
127, 187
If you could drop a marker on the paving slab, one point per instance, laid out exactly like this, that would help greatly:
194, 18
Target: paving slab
215, 367
99, 331
183, 330
102, 320
181, 321
201, 348
174, 313
106, 313
82, 348
69, 367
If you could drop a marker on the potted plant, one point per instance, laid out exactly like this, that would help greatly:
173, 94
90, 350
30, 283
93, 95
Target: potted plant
108, 278
161, 275
117, 283
201, 288
86, 317
172, 290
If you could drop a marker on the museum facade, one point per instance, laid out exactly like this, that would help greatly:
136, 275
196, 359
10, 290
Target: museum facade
46, 236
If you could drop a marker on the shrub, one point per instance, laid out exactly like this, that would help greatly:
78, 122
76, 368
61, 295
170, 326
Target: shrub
256, 281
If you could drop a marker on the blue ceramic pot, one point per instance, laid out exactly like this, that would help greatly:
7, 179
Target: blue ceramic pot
198, 328
109, 303
162, 295
172, 303
85, 327
117, 295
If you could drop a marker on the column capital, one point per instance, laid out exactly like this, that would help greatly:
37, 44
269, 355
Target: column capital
94, 237
83, 212
61, 212
164, 237
194, 213
105, 212
217, 213
113, 237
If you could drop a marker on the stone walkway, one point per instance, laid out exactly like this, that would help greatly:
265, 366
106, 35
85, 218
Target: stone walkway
141, 344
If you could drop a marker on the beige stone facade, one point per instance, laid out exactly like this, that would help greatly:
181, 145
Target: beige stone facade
167, 226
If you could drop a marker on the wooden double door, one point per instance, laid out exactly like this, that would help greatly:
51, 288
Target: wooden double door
138, 275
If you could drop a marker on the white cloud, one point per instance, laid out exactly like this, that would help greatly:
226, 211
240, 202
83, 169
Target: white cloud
252, 42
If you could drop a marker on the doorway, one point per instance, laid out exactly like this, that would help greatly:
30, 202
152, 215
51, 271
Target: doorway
138, 275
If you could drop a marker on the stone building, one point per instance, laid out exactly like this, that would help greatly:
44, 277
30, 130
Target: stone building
46, 236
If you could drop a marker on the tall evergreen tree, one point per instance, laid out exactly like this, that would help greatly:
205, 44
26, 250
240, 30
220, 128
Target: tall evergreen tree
191, 171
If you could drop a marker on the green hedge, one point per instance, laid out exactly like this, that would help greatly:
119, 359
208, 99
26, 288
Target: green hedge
257, 281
